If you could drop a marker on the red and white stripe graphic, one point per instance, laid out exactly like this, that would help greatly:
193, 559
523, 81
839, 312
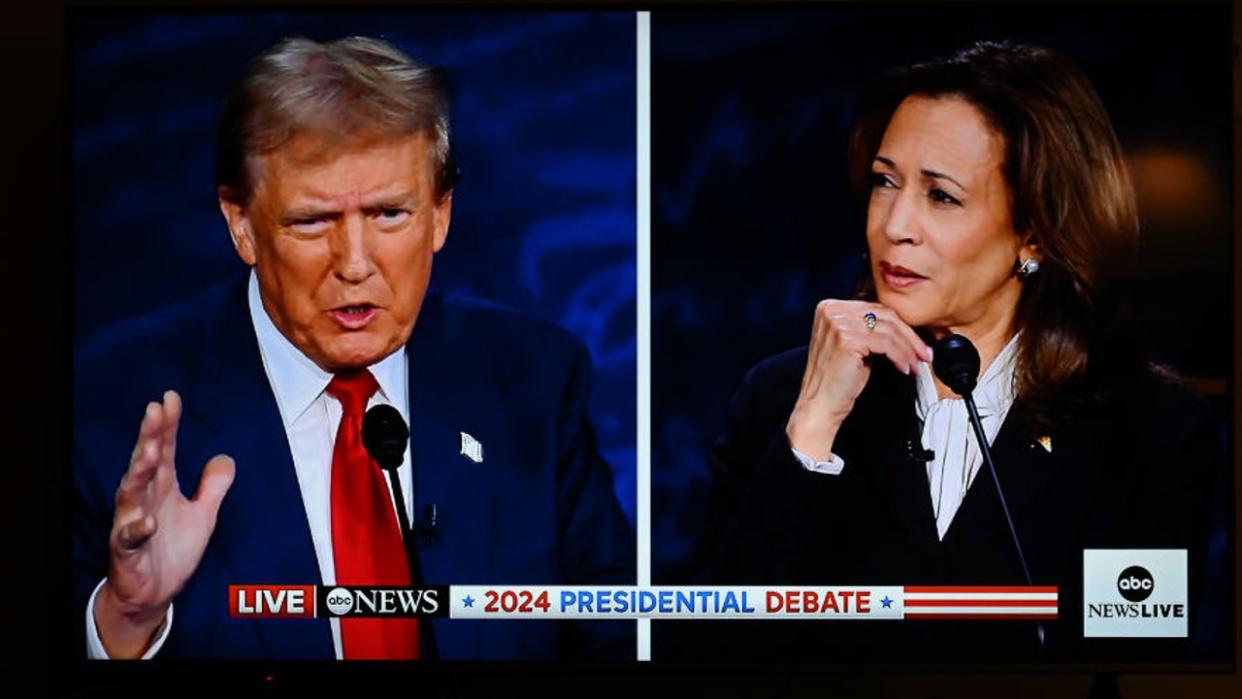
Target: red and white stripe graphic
980, 602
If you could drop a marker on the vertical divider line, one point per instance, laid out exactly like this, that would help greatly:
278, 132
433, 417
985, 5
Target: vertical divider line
643, 253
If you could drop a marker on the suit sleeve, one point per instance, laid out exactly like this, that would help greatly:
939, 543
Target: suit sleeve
768, 515
767, 523
94, 644
597, 544
91, 525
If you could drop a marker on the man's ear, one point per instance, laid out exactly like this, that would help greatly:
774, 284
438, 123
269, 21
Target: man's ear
241, 232
441, 214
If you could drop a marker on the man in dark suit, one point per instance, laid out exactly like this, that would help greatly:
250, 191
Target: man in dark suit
335, 179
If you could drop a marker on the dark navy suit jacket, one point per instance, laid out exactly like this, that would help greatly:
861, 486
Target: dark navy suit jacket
540, 508
1131, 472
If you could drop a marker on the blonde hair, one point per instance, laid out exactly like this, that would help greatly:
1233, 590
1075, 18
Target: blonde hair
339, 90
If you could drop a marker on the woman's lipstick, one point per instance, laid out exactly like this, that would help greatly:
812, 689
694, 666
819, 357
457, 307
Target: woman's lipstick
898, 277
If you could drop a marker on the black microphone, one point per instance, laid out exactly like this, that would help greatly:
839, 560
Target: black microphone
385, 437
956, 363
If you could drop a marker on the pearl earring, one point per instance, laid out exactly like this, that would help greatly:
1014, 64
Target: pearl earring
1027, 267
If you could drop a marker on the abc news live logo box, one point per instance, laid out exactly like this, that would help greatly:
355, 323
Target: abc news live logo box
311, 601
1134, 593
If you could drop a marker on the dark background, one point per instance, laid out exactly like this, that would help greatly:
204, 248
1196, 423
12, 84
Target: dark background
754, 219
543, 127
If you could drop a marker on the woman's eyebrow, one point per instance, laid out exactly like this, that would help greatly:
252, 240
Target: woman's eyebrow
933, 174
941, 176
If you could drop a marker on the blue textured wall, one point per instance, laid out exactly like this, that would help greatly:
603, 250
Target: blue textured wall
543, 220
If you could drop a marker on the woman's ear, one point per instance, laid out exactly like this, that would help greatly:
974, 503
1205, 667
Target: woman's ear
1031, 249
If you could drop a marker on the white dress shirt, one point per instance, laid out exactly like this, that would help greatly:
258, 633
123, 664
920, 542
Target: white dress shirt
947, 433
311, 418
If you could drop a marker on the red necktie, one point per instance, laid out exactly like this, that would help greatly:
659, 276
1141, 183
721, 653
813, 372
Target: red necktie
366, 539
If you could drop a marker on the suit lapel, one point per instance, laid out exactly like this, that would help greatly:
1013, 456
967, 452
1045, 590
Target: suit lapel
1034, 481
1025, 469
262, 534
446, 401
1028, 475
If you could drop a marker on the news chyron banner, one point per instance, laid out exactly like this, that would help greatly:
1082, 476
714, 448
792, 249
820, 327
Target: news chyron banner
655, 602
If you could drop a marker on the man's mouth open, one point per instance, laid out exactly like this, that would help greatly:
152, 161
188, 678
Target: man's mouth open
354, 317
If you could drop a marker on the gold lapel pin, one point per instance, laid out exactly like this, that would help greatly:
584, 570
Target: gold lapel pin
1046, 443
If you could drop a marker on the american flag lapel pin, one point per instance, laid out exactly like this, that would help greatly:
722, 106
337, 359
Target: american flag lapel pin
471, 448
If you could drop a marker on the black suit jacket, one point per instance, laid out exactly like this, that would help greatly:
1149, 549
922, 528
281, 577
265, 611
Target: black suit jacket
1134, 472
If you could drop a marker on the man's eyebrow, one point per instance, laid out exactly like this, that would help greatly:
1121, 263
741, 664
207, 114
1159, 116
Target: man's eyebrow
300, 212
305, 212
390, 200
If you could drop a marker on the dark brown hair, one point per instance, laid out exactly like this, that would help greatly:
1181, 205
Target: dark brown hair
1069, 188
348, 88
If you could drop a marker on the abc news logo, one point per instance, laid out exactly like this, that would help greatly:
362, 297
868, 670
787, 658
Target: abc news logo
1135, 584
1135, 593
381, 602
312, 601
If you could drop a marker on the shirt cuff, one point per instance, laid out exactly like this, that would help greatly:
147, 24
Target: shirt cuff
94, 646
831, 467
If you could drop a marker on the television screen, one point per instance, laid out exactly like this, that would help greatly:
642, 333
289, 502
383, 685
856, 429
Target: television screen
883, 336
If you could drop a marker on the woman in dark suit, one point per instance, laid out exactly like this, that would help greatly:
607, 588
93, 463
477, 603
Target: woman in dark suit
999, 208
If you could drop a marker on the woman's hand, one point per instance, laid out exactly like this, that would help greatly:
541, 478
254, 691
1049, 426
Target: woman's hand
837, 368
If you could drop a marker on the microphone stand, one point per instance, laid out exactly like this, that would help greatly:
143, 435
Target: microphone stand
981, 438
406, 531
409, 542
956, 363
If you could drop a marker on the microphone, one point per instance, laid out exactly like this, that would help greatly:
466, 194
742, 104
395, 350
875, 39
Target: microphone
956, 362
385, 437
429, 526
914, 443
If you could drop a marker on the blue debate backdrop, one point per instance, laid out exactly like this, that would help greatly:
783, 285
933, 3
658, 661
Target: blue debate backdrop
543, 218
754, 220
